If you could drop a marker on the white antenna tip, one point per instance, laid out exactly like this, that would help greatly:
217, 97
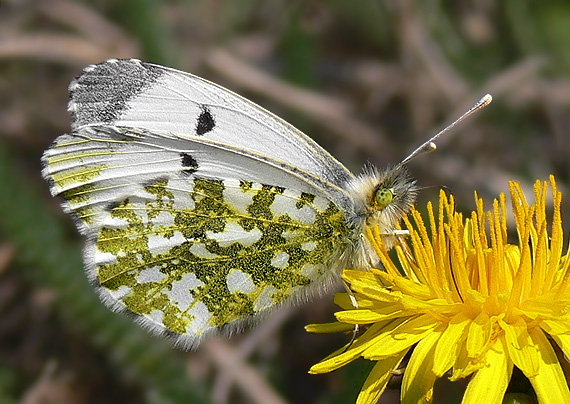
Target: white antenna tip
486, 100
427, 148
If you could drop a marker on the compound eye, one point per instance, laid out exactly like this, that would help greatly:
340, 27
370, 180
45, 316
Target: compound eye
383, 197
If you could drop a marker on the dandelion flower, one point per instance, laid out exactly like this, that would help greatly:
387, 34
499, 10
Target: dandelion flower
463, 301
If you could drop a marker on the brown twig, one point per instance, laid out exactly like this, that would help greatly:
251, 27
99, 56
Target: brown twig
6, 255
247, 346
418, 41
63, 49
244, 375
88, 23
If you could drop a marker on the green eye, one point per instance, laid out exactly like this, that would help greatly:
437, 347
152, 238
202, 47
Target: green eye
383, 197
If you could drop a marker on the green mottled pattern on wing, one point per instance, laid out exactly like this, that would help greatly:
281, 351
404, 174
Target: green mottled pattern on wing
237, 248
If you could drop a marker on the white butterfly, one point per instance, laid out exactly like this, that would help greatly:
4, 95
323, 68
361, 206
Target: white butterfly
202, 210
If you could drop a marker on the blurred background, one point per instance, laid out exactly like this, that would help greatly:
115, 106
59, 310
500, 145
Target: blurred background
368, 80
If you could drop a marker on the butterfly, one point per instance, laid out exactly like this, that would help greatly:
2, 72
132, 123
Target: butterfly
202, 210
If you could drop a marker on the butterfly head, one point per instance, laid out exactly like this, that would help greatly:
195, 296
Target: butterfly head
383, 197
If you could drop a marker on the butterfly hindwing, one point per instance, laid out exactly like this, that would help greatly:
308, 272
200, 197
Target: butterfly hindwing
238, 249
190, 235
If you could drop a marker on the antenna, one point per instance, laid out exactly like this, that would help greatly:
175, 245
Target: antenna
430, 146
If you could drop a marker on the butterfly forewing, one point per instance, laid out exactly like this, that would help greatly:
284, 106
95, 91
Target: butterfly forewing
136, 94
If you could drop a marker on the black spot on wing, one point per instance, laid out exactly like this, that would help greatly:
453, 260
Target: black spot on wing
205, 122
189, 163
101, 94
113, 205
153, 182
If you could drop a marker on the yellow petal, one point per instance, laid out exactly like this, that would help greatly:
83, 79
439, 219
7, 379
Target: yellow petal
345, 302
563, 342
349, 352
463, 365
548, 305
371, 316
520, 347
378, 379
478, 335
400, 338
365, 282
416, 289
329, 328
549, 384
446, 348
558, 326
417, 386
489, 383
434, 306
